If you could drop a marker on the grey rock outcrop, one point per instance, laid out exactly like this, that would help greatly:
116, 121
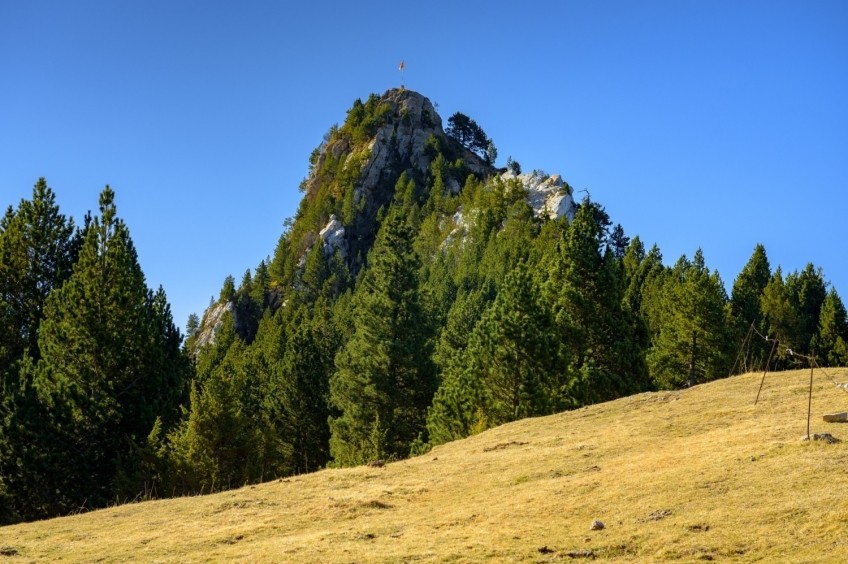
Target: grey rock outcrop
403, 140
547, 195
211, 324
332, 237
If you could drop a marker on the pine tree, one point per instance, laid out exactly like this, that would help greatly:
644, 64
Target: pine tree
513, 352
780, 319
830, 345
110, 343
37, 251
585, 289
456, 411
745, 306
749, 286
224, 441
691, 346
298, 393
807, 291
40, 452
384, 377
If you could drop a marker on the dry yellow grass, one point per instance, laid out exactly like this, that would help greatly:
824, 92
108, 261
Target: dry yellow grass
699, 474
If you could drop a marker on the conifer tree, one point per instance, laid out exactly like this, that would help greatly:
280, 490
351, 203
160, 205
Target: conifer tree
456, 411
633, 256
110, 343
513, 352
644, 290
37, 251
224, 441
780, 318
384, 377
40, 452
745, 306
691, 346
830, 345
297, 398
586, 292
749, 286
807, 291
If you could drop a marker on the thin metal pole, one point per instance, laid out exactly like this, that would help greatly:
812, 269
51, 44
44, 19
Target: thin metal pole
765, 371
810, 401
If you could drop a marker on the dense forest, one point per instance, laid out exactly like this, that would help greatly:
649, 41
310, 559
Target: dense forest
417, 297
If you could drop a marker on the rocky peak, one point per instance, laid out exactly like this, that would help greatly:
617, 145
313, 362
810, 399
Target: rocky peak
361, 161
401, 142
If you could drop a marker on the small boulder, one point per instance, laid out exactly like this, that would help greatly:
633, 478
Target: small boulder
597, 525
836, 417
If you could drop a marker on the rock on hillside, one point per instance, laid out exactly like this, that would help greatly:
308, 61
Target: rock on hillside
547, 195
212, 321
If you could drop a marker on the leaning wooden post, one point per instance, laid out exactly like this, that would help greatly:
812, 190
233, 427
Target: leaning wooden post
810, 401
765, 372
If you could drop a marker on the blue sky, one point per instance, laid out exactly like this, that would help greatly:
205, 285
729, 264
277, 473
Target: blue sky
706, 124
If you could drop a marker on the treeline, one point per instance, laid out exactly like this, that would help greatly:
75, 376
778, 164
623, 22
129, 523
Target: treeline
467, 311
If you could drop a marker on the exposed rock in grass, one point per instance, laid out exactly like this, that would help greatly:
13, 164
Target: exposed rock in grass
658, 515
597, 525
824, 437
836, 417
504, 445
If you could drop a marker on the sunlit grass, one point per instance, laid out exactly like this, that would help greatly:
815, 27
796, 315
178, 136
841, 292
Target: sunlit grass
692, 475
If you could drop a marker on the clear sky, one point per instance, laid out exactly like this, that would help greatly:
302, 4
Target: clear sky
712, 124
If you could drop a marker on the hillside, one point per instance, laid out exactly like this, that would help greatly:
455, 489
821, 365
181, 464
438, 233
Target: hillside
697, 474
420, 295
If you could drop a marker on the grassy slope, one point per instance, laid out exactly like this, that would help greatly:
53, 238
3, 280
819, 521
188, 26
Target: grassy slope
691, 475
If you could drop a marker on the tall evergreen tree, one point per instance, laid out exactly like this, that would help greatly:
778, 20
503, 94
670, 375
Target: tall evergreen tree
457, 405
807, 291
513, 351
40, 451
749, 286
780, 318
37, 251
224, 441
691, 346
586, 291
830, 345
298, 393
384, 377
110, 343
746, 309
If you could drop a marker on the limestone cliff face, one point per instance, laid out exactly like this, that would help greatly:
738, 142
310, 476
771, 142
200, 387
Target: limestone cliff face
549, 196
408, 122
211, 324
